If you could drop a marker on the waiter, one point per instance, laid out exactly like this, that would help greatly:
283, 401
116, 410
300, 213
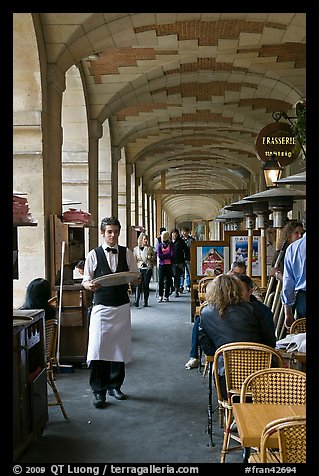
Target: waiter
110, 339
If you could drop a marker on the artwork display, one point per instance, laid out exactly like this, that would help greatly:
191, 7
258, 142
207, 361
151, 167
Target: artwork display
239, 251
211, 260
199, 230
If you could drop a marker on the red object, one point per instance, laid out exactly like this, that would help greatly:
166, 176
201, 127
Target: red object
21, 210
77, 215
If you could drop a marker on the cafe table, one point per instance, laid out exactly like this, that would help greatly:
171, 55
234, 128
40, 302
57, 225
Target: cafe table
251, 418
294, 360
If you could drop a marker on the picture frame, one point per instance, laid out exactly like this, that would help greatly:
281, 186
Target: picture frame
200, 230
209, 258
238, 248
206, 258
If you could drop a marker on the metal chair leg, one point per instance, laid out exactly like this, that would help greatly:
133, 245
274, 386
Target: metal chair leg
210, 404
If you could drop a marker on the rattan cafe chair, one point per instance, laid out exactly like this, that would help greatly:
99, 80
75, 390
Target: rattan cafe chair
51, 334
298, 326
240, 360
291, 433
276, 385
202, 285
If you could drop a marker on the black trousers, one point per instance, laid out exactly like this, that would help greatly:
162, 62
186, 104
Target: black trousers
146, 275
178, 271
165, 278
105, 375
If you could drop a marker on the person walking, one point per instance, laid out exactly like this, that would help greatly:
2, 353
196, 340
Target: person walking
181, 251
158, 239
110, 339
188, 239
165, 253
146, 258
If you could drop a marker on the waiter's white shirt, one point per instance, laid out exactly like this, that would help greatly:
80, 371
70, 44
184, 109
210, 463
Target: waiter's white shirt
110, 336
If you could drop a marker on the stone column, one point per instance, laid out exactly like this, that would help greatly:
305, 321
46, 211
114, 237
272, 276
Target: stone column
95, 133
52, 141
158, 213
143, 194
129, 171
116, 156
148, 214
137, 182
52, 151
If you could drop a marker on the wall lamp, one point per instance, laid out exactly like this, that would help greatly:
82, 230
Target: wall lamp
272, 172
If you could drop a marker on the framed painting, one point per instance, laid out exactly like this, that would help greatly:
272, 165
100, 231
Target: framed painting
238, 248
200, 230
209, 258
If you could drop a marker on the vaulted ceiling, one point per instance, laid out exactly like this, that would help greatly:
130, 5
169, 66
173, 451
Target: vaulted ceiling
185, 93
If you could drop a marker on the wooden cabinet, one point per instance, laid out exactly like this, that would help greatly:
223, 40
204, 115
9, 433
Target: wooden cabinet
30, 399
74, 236
74, 322
75, 299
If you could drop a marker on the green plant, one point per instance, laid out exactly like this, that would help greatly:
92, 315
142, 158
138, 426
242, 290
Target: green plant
299, 126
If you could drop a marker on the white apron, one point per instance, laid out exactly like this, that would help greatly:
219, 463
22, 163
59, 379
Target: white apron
110, 336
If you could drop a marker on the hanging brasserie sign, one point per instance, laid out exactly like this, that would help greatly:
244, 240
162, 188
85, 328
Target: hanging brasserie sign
277, 139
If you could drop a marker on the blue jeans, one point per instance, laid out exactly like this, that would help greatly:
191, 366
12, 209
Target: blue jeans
188, 273
194, 348
186, 276
301, 304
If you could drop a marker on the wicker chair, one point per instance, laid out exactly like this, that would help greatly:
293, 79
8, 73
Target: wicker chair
283, 386
298, 326
291, 433
202, 293
51, 334
240, 360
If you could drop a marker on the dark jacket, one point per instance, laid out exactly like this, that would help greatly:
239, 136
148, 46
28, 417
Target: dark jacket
244, 322
181, 250
188, 241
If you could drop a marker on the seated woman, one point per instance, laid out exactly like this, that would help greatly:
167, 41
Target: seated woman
38, 293
238, 268
228, 317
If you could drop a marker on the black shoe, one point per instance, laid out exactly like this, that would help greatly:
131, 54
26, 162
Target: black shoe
100, 400
116, 392
135, 304
145, 304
